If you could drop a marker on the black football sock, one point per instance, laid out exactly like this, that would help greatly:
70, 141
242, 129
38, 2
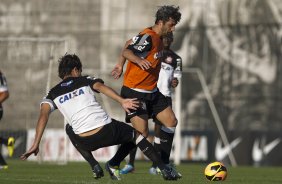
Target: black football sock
166, 137
132, 155
86, 154
121, 153
147, 148
157, 148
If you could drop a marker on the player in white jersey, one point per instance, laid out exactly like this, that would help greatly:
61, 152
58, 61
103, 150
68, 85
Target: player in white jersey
89, 126
171, 71
4, 95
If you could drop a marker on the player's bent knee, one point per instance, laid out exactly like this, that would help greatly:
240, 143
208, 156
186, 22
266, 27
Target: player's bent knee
172, 123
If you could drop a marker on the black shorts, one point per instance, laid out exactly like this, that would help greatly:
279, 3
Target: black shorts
151, 103
169, 101
111, 134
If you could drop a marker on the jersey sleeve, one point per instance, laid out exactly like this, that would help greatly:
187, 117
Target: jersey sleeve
49, 100
92, 80
3, 83
141, 45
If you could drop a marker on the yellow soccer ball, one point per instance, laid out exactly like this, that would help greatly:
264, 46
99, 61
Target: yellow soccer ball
216, 171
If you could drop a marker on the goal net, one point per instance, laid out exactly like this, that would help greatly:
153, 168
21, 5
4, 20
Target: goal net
30, 67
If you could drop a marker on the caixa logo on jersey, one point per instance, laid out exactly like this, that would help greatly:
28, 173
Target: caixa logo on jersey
70, 95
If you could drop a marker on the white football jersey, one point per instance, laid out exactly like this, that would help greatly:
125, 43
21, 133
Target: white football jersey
168, 66
74, 97
165, 77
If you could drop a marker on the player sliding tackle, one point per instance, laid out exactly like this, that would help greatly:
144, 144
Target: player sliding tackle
89, 126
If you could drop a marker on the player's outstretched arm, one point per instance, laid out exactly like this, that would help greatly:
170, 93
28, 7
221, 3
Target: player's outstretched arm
40, 127
118, 69
127, 104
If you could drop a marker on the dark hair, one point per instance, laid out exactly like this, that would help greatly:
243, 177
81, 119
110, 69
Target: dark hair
166, 12
67, 63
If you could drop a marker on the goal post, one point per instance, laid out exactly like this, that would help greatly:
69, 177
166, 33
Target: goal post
177, 139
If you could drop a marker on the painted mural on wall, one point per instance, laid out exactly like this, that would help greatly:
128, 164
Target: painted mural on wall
237, 46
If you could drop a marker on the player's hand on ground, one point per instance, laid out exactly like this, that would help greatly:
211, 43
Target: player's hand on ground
33, 150
128, 104
174, 82
144, 64
117, 71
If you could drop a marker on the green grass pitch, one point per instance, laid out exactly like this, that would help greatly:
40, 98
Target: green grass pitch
24, 172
